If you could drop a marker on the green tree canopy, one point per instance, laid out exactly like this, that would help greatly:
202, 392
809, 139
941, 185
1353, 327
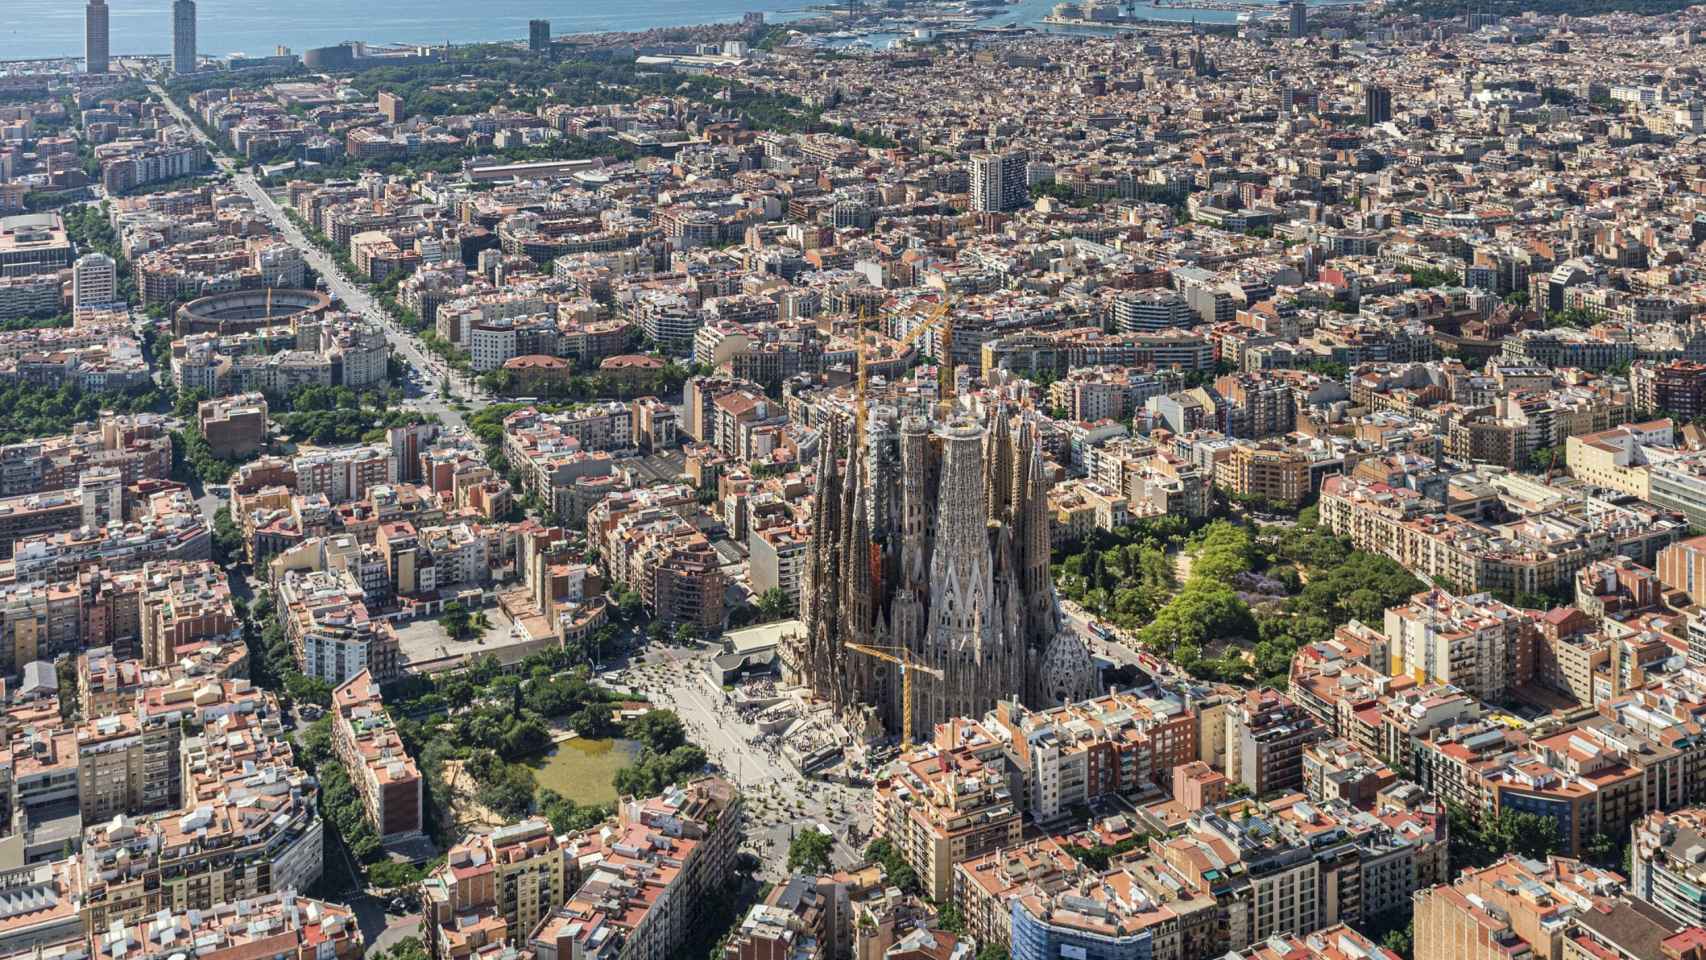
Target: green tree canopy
809, 851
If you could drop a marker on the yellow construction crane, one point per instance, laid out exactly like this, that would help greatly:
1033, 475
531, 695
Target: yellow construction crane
944, 362
905, 661
862, 383
862, 374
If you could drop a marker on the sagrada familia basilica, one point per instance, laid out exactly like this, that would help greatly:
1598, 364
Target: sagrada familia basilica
934, 539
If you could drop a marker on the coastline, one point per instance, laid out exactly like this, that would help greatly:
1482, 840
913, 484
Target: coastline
509, 25
232, 27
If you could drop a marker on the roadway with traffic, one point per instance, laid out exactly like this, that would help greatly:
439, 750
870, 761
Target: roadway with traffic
354, 296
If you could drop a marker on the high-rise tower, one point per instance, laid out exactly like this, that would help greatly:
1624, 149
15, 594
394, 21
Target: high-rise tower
97, 47
1376, 104
94, 281
998, 181
183, 36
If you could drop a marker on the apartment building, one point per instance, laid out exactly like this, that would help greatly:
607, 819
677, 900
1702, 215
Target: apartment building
1272, 881
1292, 866
343, 473
1109, 392
234, 427
1511, 909
169, 527
1337, 942
947, 804
699, 398
1588, 780
390, 785
110, 761
645, 543
645, 878
106, 684
1145, 311
494, 886
1140, 909
1078, 508
1265, 736
984, 885
137, 446
1532, 554
1337, 771
181, 606
1676, 387
1121, 744
282, 924
1668, 864
33, 296
1269, 472
56, 511
796, 921
1682, 566
777, 559
1153, 480
600, 426
1255, 406
551, 457
1058, 351
329, 626
248, 828
1476, 643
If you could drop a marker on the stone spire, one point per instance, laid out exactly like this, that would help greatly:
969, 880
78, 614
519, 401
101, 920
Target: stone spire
998, 469
860, 589
1040, 620
1024, 437
964, 626
852, 583
822, 613
908, 608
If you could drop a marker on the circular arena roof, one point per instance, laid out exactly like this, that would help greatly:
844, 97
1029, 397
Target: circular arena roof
238, 310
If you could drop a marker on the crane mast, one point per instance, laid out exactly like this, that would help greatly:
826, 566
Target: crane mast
907, 663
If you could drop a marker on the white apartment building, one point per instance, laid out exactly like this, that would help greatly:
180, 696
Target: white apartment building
94, 281
345, 473
1463, 641
1145, 311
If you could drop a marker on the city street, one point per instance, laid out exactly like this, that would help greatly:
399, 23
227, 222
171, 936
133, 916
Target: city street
355, 299
780, 801
380, 928
1119, 648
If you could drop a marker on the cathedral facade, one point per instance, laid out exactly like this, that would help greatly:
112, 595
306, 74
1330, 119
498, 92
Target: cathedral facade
934, 538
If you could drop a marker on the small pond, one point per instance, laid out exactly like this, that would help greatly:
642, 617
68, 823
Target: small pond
581, 769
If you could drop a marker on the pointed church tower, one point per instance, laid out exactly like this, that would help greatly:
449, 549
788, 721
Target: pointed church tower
859, 601
815, 660
1040, 620
909, 604
998, 463
964, 619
